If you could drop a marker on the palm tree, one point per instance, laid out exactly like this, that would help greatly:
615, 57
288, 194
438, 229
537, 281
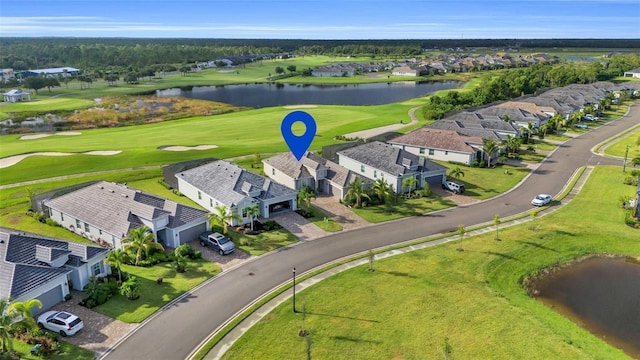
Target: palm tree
489, 147
456, 172
223, 217
13, 315
382, 190
141, 242
356, 192
409, 182
116, 258
253, 212
635, 161
305, 195
513, 144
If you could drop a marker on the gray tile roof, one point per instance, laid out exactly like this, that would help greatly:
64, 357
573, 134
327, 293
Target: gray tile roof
462, 129
22, 271
224, 181
388, 158
438, 139
117, 209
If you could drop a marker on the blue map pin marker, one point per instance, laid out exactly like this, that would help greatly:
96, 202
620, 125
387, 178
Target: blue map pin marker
298, 144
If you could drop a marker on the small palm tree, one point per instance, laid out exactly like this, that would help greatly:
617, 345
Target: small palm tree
15, 315
116, 258
456, 172
381, 190
141, 242
410, 183
635, 161
253, 212
223, 217
489, 147
356, 192
496, 222
461, 231
305, 195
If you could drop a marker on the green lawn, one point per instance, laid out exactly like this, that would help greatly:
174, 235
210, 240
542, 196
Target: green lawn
51, 104
408, 306
153, 295
632, 140
322, 221
67, 351
483, 183
262, 243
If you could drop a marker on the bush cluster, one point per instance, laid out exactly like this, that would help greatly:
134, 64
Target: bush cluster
47, 341
99, 290
185, 250
271, 225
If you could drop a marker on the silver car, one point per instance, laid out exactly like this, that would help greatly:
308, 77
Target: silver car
541, 200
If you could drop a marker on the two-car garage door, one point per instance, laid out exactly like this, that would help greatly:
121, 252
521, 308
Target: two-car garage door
48, 299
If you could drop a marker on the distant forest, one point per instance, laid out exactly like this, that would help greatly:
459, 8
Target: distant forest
91, 53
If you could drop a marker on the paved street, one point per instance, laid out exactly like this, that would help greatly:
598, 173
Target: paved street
175, 331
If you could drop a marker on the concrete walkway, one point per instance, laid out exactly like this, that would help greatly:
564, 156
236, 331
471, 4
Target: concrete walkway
223, 345
299, 226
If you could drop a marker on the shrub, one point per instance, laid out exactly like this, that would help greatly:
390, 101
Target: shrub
130, 288
271, 225
68, 297
629, 180
165, 184
185, 250
635, 173
51, 222
197, 254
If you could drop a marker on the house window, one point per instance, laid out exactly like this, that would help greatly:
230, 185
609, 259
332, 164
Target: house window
199, 195
100, 231
211, 202
244, 212
431, 152
361, 168
78, 224
446, 153
61, 217
96, 269
421, 151
86, 227
375, 173
273, 171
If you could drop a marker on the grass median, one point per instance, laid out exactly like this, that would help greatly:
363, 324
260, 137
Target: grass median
411, 303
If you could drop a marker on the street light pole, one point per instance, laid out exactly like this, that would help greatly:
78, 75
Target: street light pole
626, 153
294, 290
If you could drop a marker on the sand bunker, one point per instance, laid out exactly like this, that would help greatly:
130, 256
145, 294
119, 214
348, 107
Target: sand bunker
38, 136
12, 160
187, 148
300, 106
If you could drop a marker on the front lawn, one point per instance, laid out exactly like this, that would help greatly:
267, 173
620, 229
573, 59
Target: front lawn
632, 140
263, 242
322, 221
484, 183
403, 208
153, 295
473, 300
66, 351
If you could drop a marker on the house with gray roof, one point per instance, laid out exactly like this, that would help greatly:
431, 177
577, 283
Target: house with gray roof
104, 212
445, 145
33, 267
474, 124
322, 175
634, 73
515, 115
221, 183
16, 95
377, 160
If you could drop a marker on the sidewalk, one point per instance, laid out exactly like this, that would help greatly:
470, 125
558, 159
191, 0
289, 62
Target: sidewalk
226, 342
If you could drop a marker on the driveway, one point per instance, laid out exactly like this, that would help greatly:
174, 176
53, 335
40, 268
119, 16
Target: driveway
299, 226
226, 262
339, 213
100, 332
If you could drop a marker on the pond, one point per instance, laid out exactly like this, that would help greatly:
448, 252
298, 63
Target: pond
600, 294
267, 95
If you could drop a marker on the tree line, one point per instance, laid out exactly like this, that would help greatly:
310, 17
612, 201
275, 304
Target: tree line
512, 83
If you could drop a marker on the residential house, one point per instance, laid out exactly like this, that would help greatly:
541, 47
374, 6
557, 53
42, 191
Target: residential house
445, 145
376, 160
46, 269
515, 115
488, 127
221, 183
404, 71
61, 71
546, 111
105, 212
16, 95
635, 73
321, 175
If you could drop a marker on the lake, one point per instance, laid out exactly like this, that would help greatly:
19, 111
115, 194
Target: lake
267, 95
600, 294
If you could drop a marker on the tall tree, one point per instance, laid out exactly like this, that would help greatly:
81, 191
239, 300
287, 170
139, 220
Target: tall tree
141, 242
223, 217
356, 192
253, 212
409, 183
382, 190
116, 258
489, 147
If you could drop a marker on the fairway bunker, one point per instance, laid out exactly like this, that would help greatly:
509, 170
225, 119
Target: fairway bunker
39, 136
187, 148
12, 160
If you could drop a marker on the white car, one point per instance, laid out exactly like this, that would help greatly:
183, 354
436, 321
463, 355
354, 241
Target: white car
541, 200
60, 322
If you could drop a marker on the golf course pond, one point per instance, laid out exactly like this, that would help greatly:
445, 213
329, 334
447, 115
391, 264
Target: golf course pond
268, 95
602, 295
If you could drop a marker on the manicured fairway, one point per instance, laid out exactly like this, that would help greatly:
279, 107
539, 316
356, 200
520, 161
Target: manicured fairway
52, 104
411, 303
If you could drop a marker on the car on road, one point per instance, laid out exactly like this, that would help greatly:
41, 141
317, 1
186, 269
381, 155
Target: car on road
218, 242
453, 186
61, 322
541, 200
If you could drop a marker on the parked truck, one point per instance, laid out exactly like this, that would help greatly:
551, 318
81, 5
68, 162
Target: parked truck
222, 244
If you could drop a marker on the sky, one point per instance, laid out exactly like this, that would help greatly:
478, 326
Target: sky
327, 19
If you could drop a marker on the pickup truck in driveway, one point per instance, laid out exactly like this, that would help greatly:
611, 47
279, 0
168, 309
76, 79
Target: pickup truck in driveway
218, 242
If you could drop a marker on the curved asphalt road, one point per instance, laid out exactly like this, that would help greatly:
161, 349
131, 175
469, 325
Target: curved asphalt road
174, 332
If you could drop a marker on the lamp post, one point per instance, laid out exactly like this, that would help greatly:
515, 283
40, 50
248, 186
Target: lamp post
626, 153
294, 289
